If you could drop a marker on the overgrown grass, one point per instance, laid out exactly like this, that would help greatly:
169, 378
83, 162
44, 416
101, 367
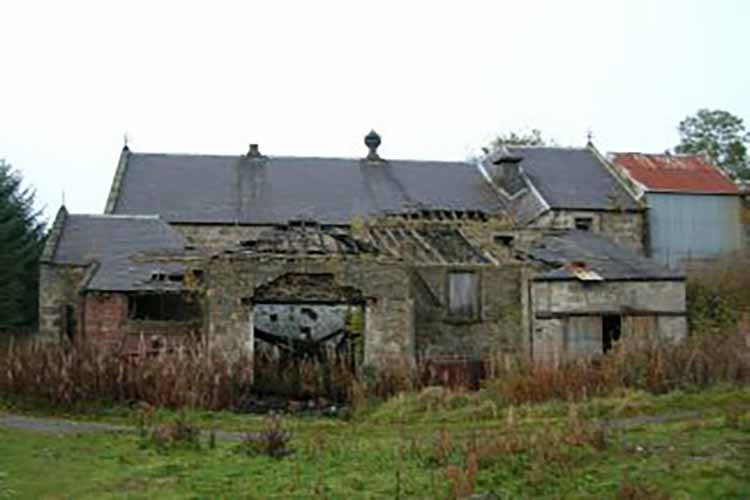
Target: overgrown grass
521, 453
210, 379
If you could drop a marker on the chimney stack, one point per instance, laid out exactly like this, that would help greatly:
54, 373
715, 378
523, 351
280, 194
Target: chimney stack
505, 169
254, 151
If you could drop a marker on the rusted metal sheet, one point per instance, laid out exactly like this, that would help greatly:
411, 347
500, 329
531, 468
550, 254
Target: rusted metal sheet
675, 173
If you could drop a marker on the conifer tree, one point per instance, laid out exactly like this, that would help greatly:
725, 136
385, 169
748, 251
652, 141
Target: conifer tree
21, 242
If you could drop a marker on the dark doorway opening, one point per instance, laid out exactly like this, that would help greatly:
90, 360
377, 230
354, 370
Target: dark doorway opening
611, 330
69, 322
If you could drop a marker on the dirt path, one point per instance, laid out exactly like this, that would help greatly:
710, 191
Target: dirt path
61, 426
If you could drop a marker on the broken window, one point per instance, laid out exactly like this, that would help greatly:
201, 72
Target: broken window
463, 294
163, 307
584, 223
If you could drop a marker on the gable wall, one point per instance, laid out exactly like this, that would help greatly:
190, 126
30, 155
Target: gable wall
625, 228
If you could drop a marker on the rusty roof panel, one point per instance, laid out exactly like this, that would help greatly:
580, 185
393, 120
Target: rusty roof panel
675, 173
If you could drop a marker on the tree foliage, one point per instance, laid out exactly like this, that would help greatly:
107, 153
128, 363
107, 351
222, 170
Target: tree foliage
531, 137
719, 135
21, 241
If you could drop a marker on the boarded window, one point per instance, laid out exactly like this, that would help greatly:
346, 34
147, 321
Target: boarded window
163, 307
463, 294
583, 336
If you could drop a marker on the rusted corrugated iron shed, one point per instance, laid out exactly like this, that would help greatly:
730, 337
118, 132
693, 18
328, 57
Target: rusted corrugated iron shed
675, 173
694, 208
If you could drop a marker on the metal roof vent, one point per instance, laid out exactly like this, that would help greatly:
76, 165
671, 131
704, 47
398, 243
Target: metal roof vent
372, 141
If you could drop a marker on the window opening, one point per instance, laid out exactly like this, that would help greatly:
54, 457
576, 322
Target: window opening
584, 223
163, 307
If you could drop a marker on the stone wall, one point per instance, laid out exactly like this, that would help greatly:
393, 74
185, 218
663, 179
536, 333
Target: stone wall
567, 315
58, 290
497, 328
625, 228
231, 283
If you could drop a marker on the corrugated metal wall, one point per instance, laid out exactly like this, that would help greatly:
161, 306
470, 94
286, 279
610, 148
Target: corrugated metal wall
684, 227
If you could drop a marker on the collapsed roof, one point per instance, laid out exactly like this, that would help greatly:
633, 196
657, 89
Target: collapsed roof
586, 256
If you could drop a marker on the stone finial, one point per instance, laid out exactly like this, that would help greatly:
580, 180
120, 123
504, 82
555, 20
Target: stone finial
372, 141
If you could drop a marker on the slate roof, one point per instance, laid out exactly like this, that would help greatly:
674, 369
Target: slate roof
560, 251
237, 189
675, 173
115, 244
573, 178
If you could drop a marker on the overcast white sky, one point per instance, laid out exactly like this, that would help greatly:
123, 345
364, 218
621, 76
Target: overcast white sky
436, 79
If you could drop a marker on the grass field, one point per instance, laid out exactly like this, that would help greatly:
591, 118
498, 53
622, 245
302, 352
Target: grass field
437, 444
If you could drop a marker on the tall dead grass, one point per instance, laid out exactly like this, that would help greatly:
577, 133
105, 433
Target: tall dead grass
190, 376
653, 365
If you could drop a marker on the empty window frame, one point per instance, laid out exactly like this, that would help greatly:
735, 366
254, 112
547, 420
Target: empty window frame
163, 307
463, 294
584, 223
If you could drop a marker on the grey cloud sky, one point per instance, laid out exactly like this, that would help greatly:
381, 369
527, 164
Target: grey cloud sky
436, 79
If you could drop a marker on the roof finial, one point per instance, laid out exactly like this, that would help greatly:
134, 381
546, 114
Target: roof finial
63, 197
125, 140
372, 141
589, 137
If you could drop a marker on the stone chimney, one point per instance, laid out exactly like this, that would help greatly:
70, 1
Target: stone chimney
504, 169
254, 152
372, 141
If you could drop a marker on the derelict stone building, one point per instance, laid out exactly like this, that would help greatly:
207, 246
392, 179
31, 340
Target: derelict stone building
536, 252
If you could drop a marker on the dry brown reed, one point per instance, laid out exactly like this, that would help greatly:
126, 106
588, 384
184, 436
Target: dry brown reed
650, 364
